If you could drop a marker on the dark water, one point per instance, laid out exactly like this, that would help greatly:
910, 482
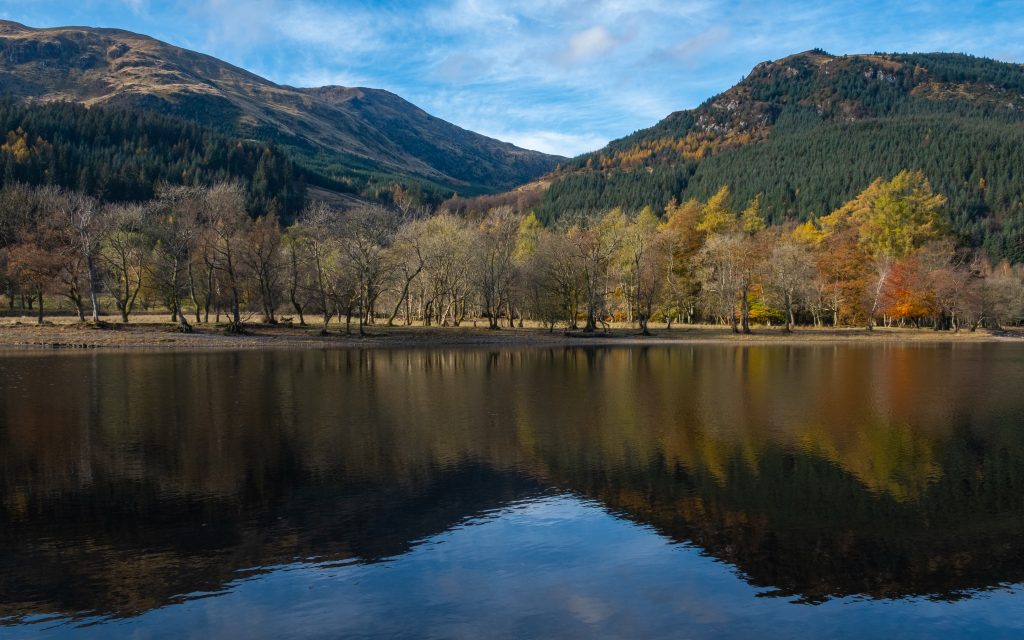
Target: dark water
713, 491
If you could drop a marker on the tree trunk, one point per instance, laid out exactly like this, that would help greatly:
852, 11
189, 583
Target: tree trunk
591, 320
789, 312
209, 295
76, 299
90, 267
362, 313
745, 310
40, 317
398, 306
236, 306
183, 325
883, 274
192, 290
494, 318
267, 293
297, 306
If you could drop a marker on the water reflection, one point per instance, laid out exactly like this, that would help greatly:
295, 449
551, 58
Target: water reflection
819, 472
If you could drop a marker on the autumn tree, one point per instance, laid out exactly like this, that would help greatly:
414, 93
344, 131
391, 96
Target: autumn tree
35, 264
174, 224
41, 252
751, 261
716, 216
446, 286
317, 245
366, 234
124, 255
643, 260
225, 223
1002, 295
722, 275
536, 258
681, 242
733, 256
83, 226
296, 270
555, 278
409, 260
954, 277
261, 256
843, 271
494, 269
595, 248
891, 219
791, 273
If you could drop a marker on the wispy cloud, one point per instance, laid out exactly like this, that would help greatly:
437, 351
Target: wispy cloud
591, 43
555, 142
136, 6
558, 75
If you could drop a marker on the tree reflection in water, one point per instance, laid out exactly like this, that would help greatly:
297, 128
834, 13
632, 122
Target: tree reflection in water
128, 480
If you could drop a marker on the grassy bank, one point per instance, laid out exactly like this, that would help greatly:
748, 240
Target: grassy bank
155, 332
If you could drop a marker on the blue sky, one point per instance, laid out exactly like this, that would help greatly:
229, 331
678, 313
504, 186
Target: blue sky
557, 75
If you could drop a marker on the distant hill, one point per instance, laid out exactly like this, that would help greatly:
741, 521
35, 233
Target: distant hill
365, 138
812, 130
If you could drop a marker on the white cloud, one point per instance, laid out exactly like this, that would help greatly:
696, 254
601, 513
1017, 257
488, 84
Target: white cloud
554, 142
310, 76
589, 44
348, 32
701, 43
462, 68
136, 6
559, 75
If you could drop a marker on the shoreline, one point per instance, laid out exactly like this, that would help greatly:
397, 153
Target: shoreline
151, 334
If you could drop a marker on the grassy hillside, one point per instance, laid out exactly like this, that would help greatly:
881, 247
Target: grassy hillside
365, 138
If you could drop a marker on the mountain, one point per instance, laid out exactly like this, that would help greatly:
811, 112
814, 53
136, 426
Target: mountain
362, 137
812, 130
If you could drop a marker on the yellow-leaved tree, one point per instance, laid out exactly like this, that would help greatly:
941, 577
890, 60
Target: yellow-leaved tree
892, 218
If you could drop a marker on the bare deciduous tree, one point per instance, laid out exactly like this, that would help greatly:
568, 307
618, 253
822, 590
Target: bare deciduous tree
225, 223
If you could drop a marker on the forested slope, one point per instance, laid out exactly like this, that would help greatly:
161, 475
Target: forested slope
118, 155
811, 131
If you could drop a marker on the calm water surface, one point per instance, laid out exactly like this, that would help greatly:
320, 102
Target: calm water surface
686, 492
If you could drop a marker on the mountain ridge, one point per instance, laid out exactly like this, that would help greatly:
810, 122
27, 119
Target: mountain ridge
751, 105
809, 132
346, 133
